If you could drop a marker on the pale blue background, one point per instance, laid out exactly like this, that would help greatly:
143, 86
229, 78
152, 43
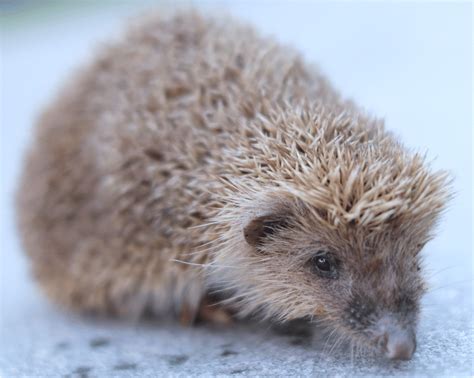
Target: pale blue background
408, 62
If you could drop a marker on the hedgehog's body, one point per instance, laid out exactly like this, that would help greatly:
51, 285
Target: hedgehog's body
197, 141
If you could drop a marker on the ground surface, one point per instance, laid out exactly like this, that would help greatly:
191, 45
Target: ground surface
408, 62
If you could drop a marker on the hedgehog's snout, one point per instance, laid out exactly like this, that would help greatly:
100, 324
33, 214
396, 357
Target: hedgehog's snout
397, 341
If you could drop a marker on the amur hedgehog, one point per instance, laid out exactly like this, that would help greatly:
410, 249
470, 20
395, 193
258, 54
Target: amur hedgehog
195, 162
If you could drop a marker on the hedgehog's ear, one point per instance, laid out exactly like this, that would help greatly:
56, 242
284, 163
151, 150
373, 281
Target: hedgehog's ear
259, 229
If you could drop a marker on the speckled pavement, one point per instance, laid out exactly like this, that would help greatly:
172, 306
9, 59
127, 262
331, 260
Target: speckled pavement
408, 62
41, 341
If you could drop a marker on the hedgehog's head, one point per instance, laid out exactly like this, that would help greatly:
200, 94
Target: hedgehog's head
366, 284
336, 239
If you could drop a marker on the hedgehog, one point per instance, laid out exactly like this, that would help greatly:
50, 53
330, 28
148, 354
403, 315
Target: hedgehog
198, 170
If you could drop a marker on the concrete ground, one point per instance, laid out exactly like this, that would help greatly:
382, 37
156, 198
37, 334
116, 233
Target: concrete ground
408, 62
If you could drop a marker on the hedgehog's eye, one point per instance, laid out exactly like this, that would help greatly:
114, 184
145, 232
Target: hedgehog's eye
324, 265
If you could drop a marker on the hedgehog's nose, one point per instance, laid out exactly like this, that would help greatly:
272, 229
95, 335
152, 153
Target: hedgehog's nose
397, 342
400, 345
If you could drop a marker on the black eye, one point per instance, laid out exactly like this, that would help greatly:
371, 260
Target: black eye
324, 265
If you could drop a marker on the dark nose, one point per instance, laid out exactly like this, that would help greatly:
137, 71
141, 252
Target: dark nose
400, 345
397, 342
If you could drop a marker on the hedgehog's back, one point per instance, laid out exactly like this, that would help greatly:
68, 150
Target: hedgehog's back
117, 169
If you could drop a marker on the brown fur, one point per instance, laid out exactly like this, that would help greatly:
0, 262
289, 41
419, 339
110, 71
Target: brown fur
150, 165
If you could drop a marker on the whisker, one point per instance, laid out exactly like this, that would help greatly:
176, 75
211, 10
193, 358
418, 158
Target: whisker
450, 284
188, 263
203, 225
432, 273
330, 336
202, 265
338, 342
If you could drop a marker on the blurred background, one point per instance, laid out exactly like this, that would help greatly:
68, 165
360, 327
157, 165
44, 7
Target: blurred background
409, 62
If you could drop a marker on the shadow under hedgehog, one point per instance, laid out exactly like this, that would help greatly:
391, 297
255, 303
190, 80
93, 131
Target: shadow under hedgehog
194, 156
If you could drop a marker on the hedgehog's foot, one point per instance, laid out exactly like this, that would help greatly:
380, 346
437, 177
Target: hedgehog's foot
215, 314
187, 316
208, 312
212, 312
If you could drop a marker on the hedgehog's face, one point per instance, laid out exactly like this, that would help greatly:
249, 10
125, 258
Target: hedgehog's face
367, 285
